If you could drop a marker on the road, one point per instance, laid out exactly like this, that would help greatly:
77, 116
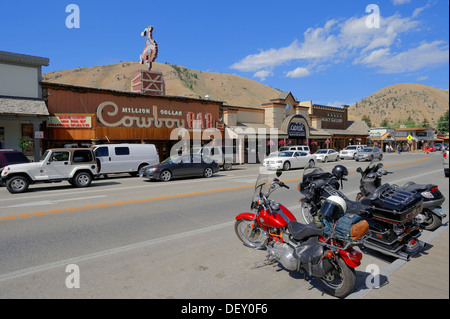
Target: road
130, 238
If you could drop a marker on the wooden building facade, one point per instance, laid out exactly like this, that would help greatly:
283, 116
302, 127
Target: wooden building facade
82, 115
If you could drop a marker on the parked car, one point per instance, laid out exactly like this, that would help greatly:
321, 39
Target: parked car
75, 165
350, 151
439, 146
300, 148
368, 154
429, 149
445, 156
325, 155
223, 157
125, 158
187, 165
9, 157
290, 159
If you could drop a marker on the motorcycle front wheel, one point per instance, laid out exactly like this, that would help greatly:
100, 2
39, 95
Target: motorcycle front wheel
339, 282
306, 213
253, 237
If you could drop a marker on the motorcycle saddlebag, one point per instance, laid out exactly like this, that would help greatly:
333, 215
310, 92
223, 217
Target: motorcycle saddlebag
351, 226
310, 255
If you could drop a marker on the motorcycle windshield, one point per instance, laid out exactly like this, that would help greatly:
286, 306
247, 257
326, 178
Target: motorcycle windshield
263, 182
311, 171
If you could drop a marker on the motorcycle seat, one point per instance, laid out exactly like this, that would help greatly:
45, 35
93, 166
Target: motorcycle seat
375, 195
411, 186
301, 231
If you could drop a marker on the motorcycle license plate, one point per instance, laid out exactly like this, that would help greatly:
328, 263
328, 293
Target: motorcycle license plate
440, 211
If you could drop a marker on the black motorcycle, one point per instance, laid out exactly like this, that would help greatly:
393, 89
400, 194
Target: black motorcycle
432, 214
389, 211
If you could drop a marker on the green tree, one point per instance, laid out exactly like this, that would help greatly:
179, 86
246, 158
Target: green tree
425, 123
366, 119
443, 122
384, 123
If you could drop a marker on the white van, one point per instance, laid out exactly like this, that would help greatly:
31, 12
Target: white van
125, 158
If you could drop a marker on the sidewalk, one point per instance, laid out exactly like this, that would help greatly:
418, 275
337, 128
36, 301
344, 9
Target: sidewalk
424, 277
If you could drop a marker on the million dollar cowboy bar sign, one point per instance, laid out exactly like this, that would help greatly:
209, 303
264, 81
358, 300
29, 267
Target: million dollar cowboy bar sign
112, 115
124, 116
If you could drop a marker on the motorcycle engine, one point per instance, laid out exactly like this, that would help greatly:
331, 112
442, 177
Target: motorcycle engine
283, 253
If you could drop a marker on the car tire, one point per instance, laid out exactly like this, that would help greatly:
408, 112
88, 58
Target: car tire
227, 166
381, 157
82, 179
17, 184
208, 172
286, 166
165, 176
325, 159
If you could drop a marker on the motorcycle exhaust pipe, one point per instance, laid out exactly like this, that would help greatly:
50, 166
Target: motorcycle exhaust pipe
398, 254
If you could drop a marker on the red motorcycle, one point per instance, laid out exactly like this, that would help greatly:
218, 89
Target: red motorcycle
298, 247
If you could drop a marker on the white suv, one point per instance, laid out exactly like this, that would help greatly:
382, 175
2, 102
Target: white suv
350, 151
299, 148
78, 166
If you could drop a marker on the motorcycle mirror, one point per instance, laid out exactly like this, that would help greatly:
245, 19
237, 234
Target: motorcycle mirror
359, 170
380, 165
279, 173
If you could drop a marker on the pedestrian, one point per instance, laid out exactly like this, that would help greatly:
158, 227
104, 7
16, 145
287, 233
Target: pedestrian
398, 148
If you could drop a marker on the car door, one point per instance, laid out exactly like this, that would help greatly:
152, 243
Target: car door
303, 159
58, 166
103, 156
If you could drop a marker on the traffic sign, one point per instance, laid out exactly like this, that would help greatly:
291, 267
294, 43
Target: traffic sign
409, 138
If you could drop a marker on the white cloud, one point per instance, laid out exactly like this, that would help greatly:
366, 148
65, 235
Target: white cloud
340, 40
263, 74
399, 2
298, 73
427, 55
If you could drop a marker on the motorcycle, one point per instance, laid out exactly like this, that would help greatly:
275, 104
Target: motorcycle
297, 247
432, 214
389, 211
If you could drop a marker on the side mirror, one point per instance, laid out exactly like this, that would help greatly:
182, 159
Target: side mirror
380, 165
359, 170
279, 172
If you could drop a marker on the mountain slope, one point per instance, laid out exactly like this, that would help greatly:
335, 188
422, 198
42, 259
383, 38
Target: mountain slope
401, 101
394, 103
231, 89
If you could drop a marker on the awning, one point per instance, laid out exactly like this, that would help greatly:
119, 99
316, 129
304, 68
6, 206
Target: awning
252, 130
22, 106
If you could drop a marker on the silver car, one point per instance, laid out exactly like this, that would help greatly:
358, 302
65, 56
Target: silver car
368, 154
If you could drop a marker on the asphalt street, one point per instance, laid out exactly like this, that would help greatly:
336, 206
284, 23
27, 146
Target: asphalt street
127, 237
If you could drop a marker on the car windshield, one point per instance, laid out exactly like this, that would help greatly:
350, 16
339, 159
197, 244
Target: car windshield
321, 152
44, 155
351, 148
285, 154
367, 150
172, 159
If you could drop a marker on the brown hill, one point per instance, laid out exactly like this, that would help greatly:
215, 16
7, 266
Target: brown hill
179, 81
400, 101
394, 103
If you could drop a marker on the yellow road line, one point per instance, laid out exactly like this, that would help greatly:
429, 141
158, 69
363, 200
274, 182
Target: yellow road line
144, 200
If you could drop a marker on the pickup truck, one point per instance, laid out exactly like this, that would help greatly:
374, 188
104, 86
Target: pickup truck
78, 166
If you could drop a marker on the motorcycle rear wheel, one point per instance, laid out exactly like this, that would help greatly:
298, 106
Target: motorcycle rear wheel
432, 222
341, 281
251, 237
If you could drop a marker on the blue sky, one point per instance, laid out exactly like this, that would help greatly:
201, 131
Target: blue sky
332, 52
